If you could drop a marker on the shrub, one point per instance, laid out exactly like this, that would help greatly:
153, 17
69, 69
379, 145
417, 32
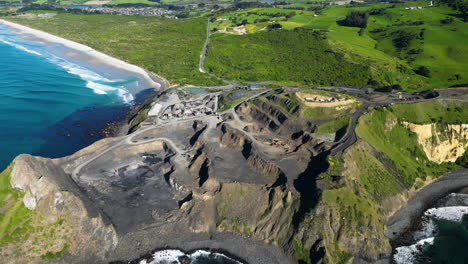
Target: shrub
447, 20
274, 26
403, 38
423, 71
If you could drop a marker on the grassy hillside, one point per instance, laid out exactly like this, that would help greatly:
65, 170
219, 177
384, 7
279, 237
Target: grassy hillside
167, 47
437, 36
372, 178
383, 130
24, 232
437, 41
339, 124
302, 58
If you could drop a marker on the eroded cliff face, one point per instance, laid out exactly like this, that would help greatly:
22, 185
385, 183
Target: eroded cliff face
172, 182
441, 143
58, 217
260, 174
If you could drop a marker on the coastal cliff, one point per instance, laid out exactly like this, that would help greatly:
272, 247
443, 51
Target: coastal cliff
52, 217
444, 143
192, 185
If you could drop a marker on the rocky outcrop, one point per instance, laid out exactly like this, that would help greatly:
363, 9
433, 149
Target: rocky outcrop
441, 143
268, 219
52, 193
231, 139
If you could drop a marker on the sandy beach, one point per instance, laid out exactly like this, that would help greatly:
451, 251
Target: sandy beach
93, 56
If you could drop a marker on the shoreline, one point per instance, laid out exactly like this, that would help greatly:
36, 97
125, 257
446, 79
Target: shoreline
118, 126
136, 246
157, 82
408, 216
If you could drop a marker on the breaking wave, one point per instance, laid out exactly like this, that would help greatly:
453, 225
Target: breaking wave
20, 47
95, 81
428, 231
174, 256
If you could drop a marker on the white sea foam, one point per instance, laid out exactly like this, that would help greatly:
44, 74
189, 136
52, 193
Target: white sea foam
428, 230
405, 255
172, 256
20, 47
98, 88
95, 81
452, 213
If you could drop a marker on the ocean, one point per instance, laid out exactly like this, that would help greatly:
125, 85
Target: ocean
441, 238
51, 104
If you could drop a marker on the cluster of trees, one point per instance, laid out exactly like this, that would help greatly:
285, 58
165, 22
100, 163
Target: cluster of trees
59, 9
261, 20
294, 7
316, 8
460, 5
355, 19
403, 38
245, 5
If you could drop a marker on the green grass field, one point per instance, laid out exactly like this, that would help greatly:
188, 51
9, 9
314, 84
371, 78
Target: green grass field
341, 55
442, 48
374, 178
168, 47
283, 56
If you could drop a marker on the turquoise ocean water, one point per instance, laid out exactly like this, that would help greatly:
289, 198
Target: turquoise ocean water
53, 105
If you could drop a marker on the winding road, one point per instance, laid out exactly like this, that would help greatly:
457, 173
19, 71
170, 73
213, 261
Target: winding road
129, 140
201, 65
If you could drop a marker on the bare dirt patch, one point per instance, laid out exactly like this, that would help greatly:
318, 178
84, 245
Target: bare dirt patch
317, 100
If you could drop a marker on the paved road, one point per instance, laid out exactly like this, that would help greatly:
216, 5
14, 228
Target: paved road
129, 140
350, 137
348, 140
201, 66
